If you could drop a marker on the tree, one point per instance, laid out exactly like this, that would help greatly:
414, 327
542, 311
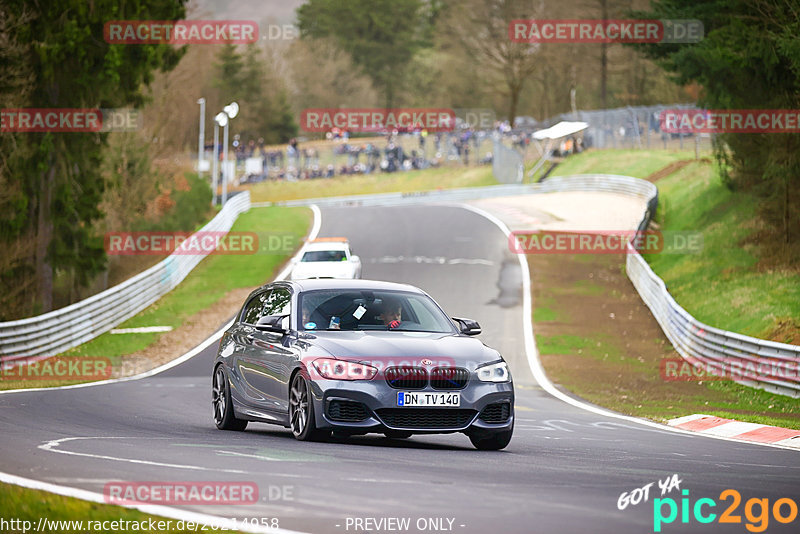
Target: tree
311, 61
381, 36
71, 66
263, 103
17, 281
480, 27
748, 59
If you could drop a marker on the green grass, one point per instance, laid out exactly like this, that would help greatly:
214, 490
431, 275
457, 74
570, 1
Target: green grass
605, 373
30, 505
209, 282
723, 285
400, 182
600, 347
728, 400
546, 311
636, 163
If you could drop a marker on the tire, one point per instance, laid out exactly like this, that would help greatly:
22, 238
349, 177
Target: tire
492, 442
301, 411
397, 434
222, 404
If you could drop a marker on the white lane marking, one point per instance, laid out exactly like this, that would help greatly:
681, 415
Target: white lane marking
202, 346
246, 455
141, 330
53, 446
440, 260
152, 509
164, 511
465, 261
152, 372
536, 364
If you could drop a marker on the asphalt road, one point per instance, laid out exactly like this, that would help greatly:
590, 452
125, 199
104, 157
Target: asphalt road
563, 471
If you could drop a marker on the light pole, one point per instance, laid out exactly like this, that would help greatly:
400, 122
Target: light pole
201, 138
220, 120
230, 111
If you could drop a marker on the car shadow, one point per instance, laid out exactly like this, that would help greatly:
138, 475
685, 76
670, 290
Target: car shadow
369, 440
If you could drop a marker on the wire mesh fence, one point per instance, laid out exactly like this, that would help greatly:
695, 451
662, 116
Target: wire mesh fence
633, 127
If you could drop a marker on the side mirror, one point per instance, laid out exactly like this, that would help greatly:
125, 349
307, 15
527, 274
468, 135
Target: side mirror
355, 259
468, 327
272, 323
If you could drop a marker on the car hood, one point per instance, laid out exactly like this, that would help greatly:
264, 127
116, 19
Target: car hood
402, 348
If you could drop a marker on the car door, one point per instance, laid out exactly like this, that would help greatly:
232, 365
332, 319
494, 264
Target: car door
269, 357
243, 357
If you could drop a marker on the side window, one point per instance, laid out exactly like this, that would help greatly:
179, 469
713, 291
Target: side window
279, 303
253, 311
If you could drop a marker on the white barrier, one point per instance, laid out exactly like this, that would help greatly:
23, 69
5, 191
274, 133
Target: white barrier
62, 329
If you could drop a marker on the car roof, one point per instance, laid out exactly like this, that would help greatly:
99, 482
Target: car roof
342, 283
327, 245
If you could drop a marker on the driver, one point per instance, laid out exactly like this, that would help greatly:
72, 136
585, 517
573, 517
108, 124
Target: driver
391, 312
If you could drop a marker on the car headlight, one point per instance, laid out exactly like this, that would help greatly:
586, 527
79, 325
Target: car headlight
496, 372
343, 370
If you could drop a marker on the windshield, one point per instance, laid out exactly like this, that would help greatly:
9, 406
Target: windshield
339, 309
324, 255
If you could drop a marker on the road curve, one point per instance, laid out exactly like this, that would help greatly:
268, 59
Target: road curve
563, 471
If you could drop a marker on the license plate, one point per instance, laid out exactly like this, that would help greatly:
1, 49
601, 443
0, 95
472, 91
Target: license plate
405, 398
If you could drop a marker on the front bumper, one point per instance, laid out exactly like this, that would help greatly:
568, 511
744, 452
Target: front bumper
361, 407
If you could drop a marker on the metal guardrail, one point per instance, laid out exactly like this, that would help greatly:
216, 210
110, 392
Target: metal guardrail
698, 343
62, 329
759, 363
585, 182
748, 360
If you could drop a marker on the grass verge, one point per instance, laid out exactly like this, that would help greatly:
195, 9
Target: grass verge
636, 163
29, 505
728, 285
598, 340
203, 289
399, 182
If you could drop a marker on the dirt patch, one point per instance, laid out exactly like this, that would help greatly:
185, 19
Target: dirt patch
785, 331
675, 166
604, 345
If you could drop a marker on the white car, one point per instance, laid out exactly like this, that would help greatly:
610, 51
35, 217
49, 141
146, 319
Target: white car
328, 257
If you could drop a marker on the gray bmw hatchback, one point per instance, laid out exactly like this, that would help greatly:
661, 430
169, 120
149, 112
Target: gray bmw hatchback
357, 357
